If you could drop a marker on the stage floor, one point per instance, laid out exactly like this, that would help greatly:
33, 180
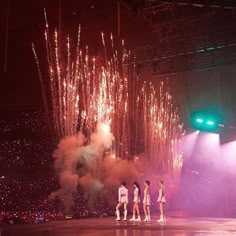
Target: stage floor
109, 227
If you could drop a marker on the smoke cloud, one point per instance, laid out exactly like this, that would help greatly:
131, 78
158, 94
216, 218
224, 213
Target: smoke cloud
78, 163
91, 165
66, 157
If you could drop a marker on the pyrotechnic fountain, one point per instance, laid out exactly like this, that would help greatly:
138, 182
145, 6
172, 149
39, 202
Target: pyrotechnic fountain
162, 129
86, 91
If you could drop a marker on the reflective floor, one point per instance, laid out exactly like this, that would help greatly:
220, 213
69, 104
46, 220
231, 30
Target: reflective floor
108, 227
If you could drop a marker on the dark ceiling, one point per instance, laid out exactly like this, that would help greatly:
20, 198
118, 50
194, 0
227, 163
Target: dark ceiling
22, 22
176, 35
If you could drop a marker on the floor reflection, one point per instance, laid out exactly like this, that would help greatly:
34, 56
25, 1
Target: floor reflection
109, 227
126, 232
123, 232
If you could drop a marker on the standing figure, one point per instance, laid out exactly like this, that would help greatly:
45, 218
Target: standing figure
147, 201
162, 200
122, 200
137, 193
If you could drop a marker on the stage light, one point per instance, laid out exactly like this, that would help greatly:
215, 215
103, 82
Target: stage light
199, 120
206, 121
210, 122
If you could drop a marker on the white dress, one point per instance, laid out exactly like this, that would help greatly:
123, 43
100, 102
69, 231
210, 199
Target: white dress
161, 197
136, 195
147, 197
123, 194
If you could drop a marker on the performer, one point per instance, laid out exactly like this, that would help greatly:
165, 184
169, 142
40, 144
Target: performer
137, 193
122, 200
147, 201
161, 199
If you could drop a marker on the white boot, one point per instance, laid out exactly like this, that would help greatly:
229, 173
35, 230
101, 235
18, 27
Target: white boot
117, 215
149, 218
133, 218
164, 219
146, 219
125, 215
161, 220
138, 219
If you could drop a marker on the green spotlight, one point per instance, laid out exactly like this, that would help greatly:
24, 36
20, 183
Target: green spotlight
206, 121
199, 120
209, 122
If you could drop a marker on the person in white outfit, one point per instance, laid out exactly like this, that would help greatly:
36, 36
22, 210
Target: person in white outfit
147, 201
123, 199
161, 200
137, 193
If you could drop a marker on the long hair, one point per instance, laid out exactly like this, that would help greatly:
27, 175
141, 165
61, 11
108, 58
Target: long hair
163, 187
147, 182
139, 189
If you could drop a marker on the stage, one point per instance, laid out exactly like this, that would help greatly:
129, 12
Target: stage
109, 227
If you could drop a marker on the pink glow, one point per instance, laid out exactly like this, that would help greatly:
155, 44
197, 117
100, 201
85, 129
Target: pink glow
207, 147
228, 156
209, 175
188, 143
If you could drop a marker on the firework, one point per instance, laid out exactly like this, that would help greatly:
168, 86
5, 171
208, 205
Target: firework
85, 91
163, 130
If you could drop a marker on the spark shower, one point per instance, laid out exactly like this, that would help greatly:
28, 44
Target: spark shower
84, 90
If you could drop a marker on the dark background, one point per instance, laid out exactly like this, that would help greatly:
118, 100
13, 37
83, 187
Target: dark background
192, 43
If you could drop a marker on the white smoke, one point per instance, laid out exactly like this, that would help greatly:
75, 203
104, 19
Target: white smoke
66, 157
71, 152
87, 165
